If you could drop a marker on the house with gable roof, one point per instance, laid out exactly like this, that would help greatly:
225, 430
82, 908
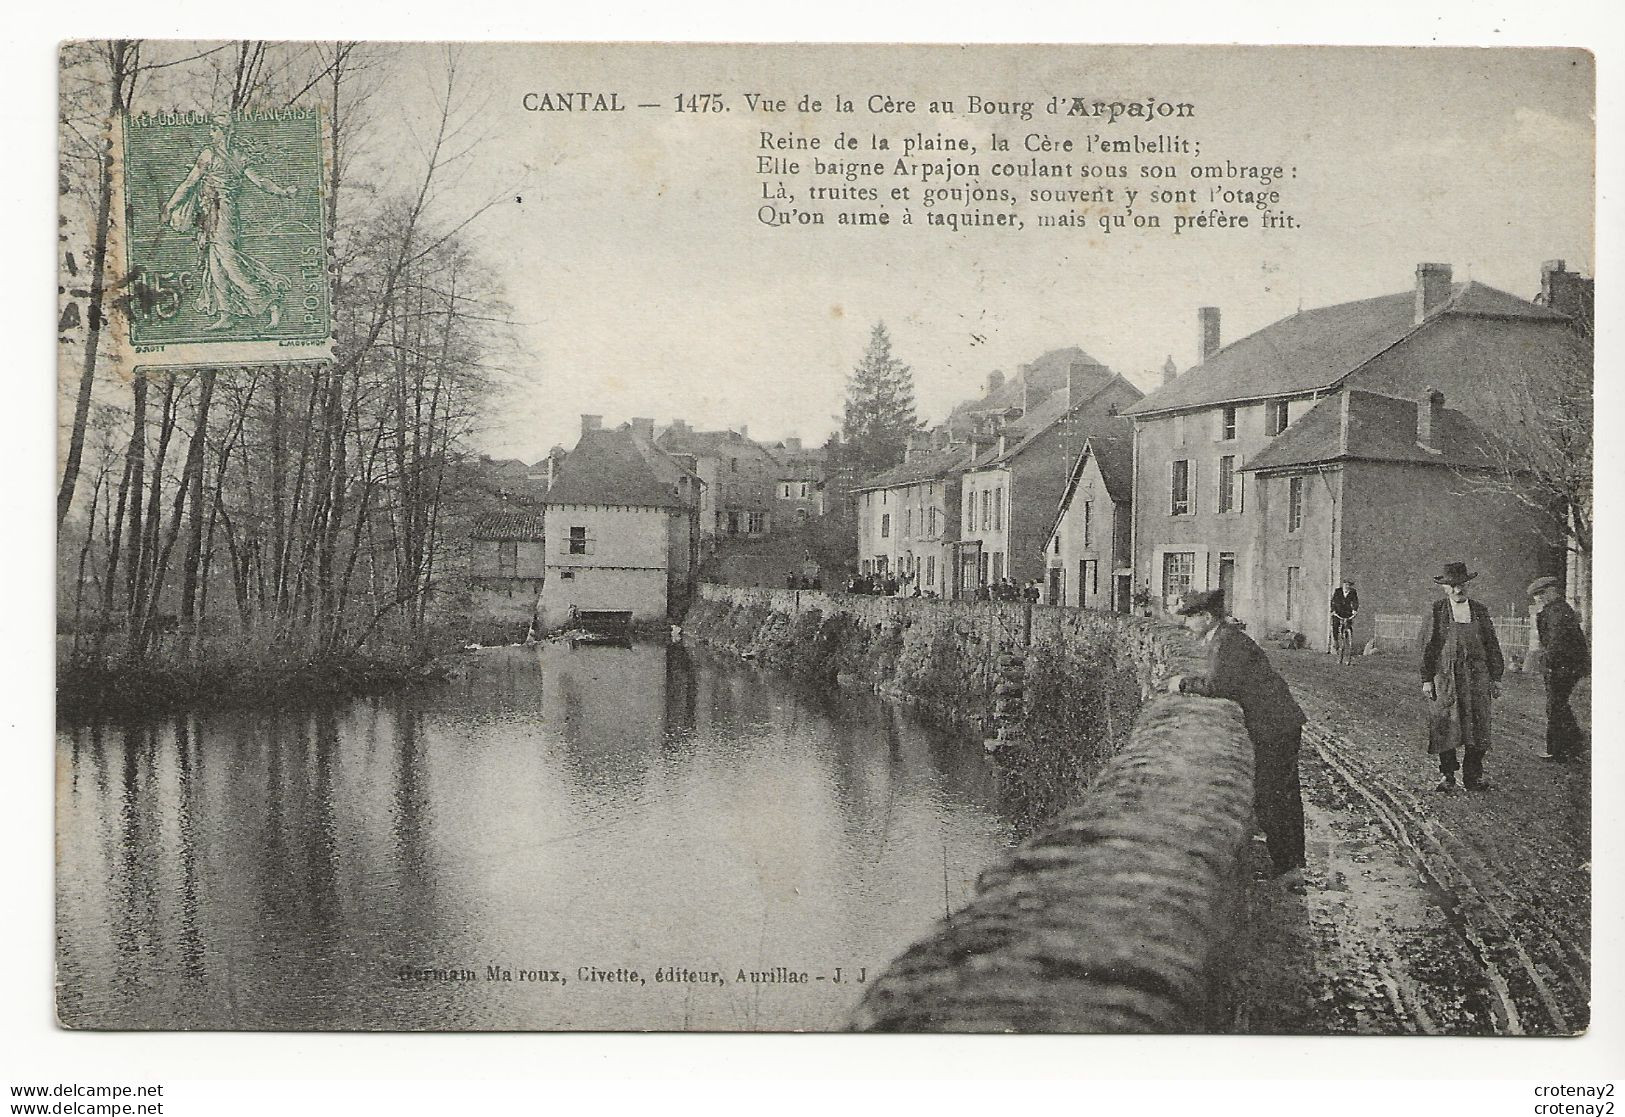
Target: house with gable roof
1014, 482
622, 529
1320, 448
1089, 561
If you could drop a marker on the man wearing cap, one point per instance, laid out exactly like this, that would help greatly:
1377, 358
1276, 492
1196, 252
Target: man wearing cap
1565, 659
1239, 670
1461, 673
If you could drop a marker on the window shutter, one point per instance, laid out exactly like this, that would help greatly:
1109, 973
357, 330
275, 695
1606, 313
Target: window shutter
1192, 486
1172, 507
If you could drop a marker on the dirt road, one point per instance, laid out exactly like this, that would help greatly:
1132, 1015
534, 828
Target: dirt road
1424, 913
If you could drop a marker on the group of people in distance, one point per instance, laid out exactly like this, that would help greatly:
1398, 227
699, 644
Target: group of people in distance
1461, 667
1007, 589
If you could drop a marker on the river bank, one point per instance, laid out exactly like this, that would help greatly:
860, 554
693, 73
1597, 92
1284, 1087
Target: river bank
131, 691
1054, 692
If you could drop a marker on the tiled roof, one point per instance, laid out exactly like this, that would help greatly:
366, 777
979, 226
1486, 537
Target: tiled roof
1022, 433
927, 467
1314, 349
505, 526
615, 467
709, 443
1112, 444
1036, 381
1376, 428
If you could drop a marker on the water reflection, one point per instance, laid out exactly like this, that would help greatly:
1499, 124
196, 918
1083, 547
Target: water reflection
610, 809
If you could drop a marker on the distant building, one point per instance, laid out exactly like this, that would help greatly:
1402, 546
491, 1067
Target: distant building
506, 565
1089, 559
622, 529
1357, 468
799, 489
740, 478
908, 516
1012, 487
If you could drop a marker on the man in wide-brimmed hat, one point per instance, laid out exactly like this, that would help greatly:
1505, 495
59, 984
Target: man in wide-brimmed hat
1565, 659
1461, 674
1239, 670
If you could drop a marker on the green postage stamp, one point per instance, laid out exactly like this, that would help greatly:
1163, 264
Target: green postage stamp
225, 237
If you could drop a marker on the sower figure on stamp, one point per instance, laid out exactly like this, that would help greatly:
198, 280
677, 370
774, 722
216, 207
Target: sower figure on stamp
1461, 674
1239, 670
1565, 659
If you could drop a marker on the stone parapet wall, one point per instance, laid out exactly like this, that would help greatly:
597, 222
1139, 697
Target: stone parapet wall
1117, 914
1117, 917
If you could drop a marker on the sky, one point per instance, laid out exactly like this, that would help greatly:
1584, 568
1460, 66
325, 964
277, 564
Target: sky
644, 284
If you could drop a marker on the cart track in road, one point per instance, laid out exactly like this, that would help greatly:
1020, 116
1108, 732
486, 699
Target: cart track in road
1425, 913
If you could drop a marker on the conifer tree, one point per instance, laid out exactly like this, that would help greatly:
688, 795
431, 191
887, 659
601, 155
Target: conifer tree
879, 408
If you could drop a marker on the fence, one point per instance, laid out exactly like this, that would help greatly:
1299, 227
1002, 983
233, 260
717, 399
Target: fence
1399, 630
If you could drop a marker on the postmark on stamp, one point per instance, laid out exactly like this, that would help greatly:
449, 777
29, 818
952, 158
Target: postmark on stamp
226, 235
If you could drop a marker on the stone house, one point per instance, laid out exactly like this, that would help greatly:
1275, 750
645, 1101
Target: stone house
506, 565
739, 478
798, 490
1090, 564
622, 530
1015, 480
1277, 532
908, 516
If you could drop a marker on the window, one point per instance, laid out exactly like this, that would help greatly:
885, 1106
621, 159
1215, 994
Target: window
981, 567
1179, 430
733, 465
578, 543
998, 509
1294, 592
885, 525
1294, 503
998, 565
1227, 424
970, 508
1057, 547
987, 508
1275, 417
1089, 581
1178, 572
1227, 579
758, 523
931, 570
1227, 483
1179, 488
1088, 523
508, 559
803, 490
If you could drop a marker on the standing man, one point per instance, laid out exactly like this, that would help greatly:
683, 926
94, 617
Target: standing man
1565, 659
1461, 673
1345, 605
1239, 670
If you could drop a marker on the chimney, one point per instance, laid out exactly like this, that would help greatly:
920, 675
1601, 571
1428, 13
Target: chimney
1207, 322
919, 445
1432, 289
995, 381
941, 437
1169, 370
792, 445
590, 423
644, 429
1567, 292
680, 426
744, 431
1430, 420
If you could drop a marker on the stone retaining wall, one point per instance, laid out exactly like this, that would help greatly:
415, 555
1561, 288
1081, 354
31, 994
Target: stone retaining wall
1118, 913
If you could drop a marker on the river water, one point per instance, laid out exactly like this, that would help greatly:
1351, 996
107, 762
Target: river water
543, 843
